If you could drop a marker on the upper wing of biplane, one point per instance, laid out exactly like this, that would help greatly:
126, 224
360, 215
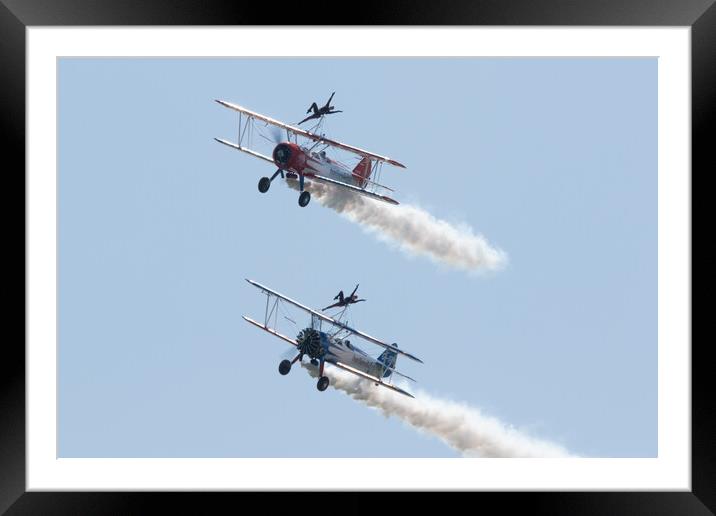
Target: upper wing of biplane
315, 137
334, 322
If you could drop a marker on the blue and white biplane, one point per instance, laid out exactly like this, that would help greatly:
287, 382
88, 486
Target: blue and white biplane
326, 342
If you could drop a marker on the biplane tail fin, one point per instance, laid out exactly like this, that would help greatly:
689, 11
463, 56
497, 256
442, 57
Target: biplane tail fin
362, 172
388, 358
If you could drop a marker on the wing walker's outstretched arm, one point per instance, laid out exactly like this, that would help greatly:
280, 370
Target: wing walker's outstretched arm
328, 104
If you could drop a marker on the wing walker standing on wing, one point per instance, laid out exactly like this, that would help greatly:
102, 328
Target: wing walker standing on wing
344, 301
319, 112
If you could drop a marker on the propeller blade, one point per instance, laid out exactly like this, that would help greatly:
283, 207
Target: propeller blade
275, 133
289, 354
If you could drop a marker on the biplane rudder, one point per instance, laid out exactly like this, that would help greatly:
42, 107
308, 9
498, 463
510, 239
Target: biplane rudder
388, 358
362, 172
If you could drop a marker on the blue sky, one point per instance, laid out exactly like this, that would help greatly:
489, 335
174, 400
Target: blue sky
552, 160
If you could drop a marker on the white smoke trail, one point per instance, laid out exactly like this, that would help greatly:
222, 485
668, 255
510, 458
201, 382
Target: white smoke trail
463, 428
413, 229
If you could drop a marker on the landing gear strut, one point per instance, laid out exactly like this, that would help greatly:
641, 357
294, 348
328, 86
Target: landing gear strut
323, 383
265, 182
285, 366
305, 196
304, 199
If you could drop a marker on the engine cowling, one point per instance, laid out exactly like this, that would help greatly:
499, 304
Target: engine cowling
309, 343
289, 156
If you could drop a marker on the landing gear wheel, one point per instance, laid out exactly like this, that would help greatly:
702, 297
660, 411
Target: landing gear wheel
314, 362
264, 184
323, 383
284, 367
304, 199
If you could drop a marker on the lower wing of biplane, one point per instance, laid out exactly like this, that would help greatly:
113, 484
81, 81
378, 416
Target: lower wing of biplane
317, 344
295, 161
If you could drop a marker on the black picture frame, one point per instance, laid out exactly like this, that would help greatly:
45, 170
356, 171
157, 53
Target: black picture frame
16, 15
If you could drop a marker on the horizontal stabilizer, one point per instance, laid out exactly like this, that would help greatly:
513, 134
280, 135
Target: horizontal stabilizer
401, 374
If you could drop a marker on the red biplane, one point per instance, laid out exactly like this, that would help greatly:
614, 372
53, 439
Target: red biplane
302, 156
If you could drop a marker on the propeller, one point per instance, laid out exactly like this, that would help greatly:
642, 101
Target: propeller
275, 135
288, 354
309, 342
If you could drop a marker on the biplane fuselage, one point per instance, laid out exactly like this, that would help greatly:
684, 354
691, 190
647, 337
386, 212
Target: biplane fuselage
295, 159
338, 350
